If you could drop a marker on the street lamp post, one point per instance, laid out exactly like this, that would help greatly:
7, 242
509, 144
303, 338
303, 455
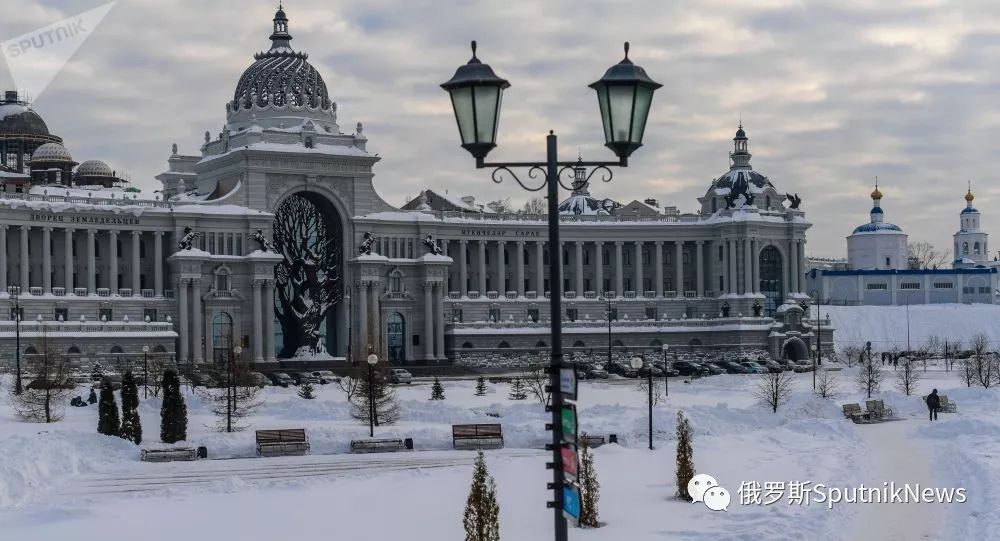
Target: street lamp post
815, 352
372, 361
908, 293
17, 340
145, 372
231, 391
636, 363
666, 371
624, 96
608, 313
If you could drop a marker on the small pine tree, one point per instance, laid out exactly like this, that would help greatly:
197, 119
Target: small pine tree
307, 391
437, 390
107, 410
590, 488
481, 519
131, 426
173, 412
685, 456
481, 386
517, 391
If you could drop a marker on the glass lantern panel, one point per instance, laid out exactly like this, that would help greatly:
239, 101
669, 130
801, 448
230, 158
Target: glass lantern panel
487, 99
461, 101
643, 99
602, 101
620, 100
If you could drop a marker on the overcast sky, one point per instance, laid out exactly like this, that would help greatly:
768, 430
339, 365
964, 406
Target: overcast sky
831, 93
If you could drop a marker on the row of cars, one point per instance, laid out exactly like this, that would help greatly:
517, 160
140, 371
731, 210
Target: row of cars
688, 368
214, 379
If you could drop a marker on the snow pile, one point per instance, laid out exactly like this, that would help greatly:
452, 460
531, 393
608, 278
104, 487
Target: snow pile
885, 326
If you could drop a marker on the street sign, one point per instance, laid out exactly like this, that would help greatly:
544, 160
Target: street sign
567, 382
569, 423
571, 502
570, 462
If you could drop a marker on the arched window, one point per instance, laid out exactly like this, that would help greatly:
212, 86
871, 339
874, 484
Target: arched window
617, 344
396, 281
579, 344
503, 345
30, 350
965, 248
117, 349
541, 344
222, 337
395, 336
159, 349
975, 248
656, 343
73, 350
467, 345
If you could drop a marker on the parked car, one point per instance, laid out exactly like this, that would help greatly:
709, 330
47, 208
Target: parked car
773, 367
753, 367
643, 372
259, 380
326, 376
595, 372
733, 367
399, 375
690, 368
714, 369
622, 370
281, 379
668, 371
301, 378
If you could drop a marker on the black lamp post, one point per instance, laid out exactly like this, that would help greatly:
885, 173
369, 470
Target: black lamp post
666, 371
637, 363
624, 96
231, 391
608, 312
815, 356
16, 292
145, 372
372, 361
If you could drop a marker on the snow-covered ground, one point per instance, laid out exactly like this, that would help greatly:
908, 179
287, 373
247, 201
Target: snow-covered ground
59, 480
886, 326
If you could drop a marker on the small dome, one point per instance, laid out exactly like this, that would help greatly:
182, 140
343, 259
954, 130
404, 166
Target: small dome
877, 227
876, 194
968, 196
740, 134
51, 152
94, 168
970, 210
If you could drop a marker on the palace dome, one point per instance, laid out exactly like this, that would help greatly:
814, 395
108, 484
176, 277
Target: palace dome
17, 118
94, 168
51, 152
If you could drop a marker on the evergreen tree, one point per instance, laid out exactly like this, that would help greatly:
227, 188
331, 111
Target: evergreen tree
685, 456
517, 391
307, 390
481, 386
131, 426
590, 489
107, 410
481, 519
386, 408
173, 412
437, 390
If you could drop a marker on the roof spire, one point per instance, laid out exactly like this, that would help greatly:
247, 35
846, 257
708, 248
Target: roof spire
968, 196
876, 194
280, 37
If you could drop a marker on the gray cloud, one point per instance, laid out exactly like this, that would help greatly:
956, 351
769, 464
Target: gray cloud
831, 93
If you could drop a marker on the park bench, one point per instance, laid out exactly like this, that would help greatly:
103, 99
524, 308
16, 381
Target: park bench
477, 436
385, 445
948, 406
877, 409
855, 413
288, 441
592, 441
168, 455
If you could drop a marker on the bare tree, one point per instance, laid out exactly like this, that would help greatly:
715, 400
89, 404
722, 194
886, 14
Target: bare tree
535, 379
773, 389
235, 399
43, 399
850, 354
536, 205
658, 395
949, 348
349, 384
907, 378
923, 255
869, 377
827, 384
983, 362
967, 371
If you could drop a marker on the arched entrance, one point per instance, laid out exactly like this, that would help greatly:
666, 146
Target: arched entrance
794, 349
395, 336
770, 279
309, 281
222, 337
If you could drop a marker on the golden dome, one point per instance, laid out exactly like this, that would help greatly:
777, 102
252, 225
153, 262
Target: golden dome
968, 196
876, 194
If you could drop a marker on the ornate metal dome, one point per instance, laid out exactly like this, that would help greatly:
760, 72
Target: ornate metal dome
51, 153
17, 118
94, 168
281, 76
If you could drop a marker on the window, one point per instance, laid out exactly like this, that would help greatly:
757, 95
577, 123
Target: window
396, 282
104, 314
586, 257
533, 315
614, 314
880, 286
645, 257
975, 248
149, 314
968, 290
456, 315
494, 315
565, 258
506, 257
627, 257
909, 285
651, 312
888, 262
409, 248
16, 313
571, 314
965, 248
487, 252
222, 282
984, 290
119, 248
721, 256
211, 243
605, 257
686, 257
944, 285
61, 314
239, 244
229, 243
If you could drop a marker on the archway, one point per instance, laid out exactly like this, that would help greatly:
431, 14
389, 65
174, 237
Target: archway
770, 279
794, 349
395, 337
222, 337
308, 233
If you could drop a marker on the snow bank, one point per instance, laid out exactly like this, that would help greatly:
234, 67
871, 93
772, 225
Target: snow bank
885, 326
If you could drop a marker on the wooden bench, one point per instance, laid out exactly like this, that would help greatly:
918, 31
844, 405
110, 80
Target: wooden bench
288, 441
948, 406
478, 436
855, 413
376, 446
592, 441
877, 409
168, 455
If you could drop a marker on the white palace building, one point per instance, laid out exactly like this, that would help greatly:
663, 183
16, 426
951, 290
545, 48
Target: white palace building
273, 237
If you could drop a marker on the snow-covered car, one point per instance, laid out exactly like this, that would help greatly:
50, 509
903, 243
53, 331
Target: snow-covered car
281, 379
753, 367
399, 375
326, 376
595, 372
305, 377
259, 380
623, 370
773, 367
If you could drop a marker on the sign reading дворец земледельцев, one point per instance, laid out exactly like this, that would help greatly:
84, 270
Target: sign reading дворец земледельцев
84, 219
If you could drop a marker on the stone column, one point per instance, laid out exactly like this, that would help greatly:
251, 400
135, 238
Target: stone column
25, 269
801, 264
540, 268
158, 263
619, 278
362, 324
519, 270
599, 266
756, 265
46, 260
639, 285
439, 325
578, 272
268, 309
443, 244
679, 267
482, 267
699, 261
183, 330
375, 314
68, 261
658, 253
136, 281
733, 278
92, 263
429, 321
113, 265
463, 272
793, 266
3, 258
725, 267
747, 266
258, 322
501, 268
196, 320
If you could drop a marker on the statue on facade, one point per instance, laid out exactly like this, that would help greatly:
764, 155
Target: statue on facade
432, 246
741, 186
757, 308
725, 309
265, 245
365, 248
795, 200
187, 241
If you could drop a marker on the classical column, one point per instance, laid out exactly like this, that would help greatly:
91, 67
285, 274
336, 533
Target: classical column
136, 281
725, 267
443, 244
802, 264
183, 331
258, 322
639, 286
733, 278
756, 265
92, 262
463, 272
3, 258
429, 321
113, 265
599, 266
362, 323
375, 314
68, 261
793, 266
158, 263
658, 254
679, 267
439, 324
578, 272
196, 317
25, 269
46, 260
268, 314
699, 261
540, 267
519, 269
619, 278
747, 266
482, 267
501, 268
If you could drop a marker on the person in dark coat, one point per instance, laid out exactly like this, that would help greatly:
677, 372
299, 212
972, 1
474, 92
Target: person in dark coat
933, 404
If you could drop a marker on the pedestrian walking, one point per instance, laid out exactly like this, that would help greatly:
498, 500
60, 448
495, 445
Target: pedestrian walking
933, 404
